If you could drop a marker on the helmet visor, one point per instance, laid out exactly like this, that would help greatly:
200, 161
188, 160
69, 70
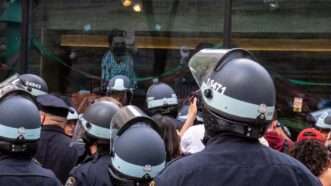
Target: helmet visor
128, 116
206, 61
78, 133
10, 80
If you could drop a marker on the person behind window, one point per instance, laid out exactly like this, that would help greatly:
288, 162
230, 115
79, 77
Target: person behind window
117, 60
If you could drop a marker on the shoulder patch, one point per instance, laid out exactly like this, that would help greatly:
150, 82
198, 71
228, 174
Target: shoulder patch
71, 181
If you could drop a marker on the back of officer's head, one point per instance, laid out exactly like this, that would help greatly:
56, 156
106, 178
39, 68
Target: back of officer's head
238, 93
19, 126
138, 154
95, 123
120, 88
162, 99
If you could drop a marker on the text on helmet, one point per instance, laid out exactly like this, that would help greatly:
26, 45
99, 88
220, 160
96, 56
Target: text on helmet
216, 86
33, 85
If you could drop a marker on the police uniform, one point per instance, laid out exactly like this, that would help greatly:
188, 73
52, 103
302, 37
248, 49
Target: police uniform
93, 171
25, 172
55, 151
229, 160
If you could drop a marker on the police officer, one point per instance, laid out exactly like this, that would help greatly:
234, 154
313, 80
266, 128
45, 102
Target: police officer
239, 103
54, 150
19, 135
93, 129
120, 88
138, 152
162, 99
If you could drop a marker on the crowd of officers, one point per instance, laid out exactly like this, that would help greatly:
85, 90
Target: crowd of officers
44, 141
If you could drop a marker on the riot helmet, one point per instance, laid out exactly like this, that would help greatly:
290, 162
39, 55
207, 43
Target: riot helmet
161, 99
138, 154
324, 121
120, 87
128, 116
72, 118
20, 126
94, 123
34, 84
72, 114
238, 94
11, 86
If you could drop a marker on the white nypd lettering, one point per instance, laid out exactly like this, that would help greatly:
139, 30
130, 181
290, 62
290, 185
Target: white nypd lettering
216, 86
32, 84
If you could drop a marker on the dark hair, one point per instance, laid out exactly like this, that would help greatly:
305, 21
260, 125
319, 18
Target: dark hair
169, 135
313, 154
103, 148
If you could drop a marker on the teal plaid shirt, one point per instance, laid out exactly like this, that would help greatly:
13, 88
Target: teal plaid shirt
110, 68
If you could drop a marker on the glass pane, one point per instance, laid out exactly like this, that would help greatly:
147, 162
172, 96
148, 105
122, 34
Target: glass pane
72, 37
292, 40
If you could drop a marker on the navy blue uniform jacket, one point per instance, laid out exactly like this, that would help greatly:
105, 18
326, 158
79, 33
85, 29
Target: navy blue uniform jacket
55, 153
25, 172
235, 161
92, 172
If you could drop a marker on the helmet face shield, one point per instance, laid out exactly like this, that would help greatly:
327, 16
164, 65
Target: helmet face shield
207, 61
203, 63
13, 86
11, 80
78, 133
128, 116
14, 81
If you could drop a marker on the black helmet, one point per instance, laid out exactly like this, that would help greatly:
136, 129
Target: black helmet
161, 99
19, 125
34, 84
324, 121
120, 83
94, 123
138, 154
238, 93
128, 116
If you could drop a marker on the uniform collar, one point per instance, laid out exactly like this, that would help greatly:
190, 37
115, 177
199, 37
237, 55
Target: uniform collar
229, 137
54, 128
